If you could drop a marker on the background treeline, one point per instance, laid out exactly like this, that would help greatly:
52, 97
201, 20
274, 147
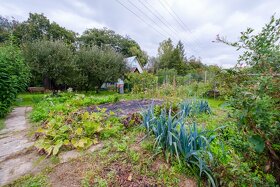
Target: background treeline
58, 57
41, 53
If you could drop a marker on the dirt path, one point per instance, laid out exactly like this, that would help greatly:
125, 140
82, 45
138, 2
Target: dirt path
16, 157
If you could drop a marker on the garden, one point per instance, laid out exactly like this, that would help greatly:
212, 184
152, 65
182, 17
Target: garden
173, 126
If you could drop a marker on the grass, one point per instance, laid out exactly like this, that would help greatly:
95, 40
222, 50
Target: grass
28, 99
2, 123
215, 103
39, 180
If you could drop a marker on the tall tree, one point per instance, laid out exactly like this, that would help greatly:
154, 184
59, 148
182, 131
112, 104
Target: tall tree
7, 25
178, 59
14, 76
39, 27
99, 65
50, 62
165, 52
172, 57
106, 37
181, 48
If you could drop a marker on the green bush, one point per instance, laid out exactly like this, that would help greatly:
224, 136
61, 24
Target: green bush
51, 61
14, 76
166, 76
182, 91
255, 99
141, 82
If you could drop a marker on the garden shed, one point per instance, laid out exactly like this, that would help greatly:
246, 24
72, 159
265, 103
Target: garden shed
133, 64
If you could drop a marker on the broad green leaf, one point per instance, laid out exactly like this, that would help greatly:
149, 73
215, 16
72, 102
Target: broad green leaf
79, 131
57, 147
257, 143
66, 142
85, 116
64, 128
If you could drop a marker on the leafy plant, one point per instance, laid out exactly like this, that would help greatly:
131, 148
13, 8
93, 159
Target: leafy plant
14, 76
132, 119
190, 146
65, 126
141, 82
256, 99
194, 107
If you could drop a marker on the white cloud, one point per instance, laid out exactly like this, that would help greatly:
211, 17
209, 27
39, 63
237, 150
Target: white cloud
74, 21
82, 7
205, 19
7, 9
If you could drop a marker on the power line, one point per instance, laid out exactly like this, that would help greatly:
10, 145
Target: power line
166, 23
141, 19
151, 19
176, 17
151, 11
181, 20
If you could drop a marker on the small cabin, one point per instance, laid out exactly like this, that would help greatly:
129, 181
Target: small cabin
133, 64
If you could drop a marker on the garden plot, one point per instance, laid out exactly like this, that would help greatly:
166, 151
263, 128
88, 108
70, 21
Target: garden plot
124, 108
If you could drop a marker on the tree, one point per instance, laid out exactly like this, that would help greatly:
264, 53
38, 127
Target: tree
172, 57
14, 76
99, 65
7, 26
165, 52
262, 51
51, 62
107, 37
178, 59
39, 27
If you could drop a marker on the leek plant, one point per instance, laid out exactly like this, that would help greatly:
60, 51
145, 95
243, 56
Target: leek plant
177, 139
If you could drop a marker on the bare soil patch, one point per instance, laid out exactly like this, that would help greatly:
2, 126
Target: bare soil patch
124, 108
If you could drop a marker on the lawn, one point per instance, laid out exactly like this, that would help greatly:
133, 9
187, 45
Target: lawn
28, 99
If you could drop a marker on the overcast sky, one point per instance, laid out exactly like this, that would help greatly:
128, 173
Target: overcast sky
195, 22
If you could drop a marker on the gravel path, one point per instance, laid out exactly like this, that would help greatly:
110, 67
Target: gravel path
16, 158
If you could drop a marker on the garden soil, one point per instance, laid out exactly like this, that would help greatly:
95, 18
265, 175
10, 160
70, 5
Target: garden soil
124, 108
